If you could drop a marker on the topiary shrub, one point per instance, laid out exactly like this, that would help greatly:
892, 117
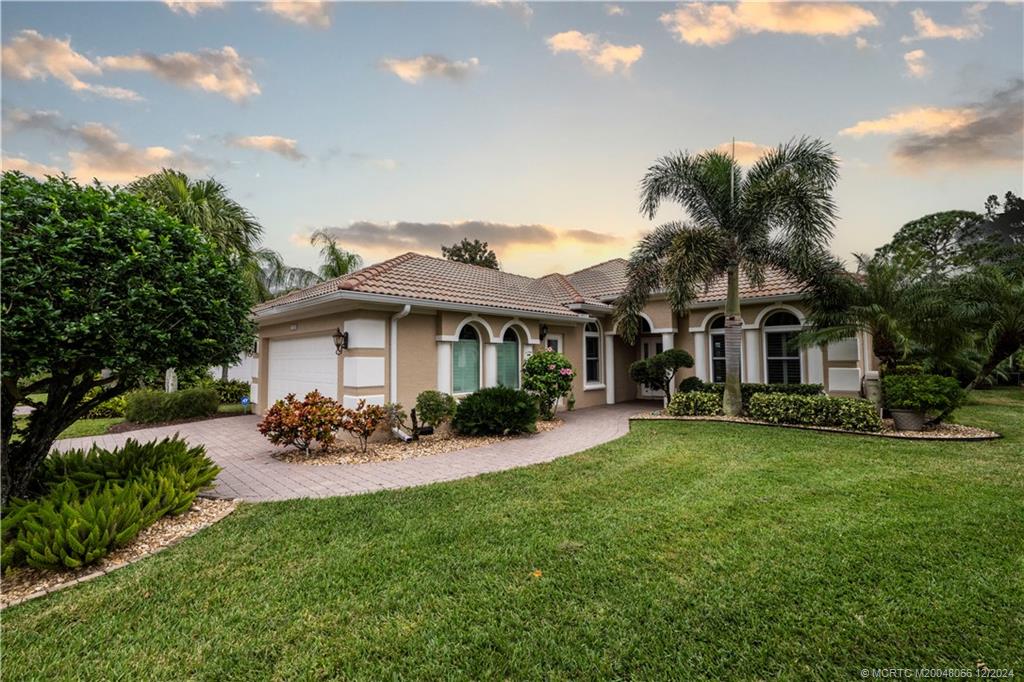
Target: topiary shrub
548, 375
496, 411
434, 408
301, 423
691, 384
922, 393
148, 406
852, 414
695, 403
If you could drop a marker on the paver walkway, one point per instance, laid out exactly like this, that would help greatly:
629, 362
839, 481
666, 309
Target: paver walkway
250, 473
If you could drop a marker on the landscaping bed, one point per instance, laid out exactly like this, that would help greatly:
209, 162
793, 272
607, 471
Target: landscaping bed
394, 450
24, 583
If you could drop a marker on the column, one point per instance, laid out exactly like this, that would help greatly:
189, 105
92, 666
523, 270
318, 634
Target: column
444, 366
815, 373
752, 361
609, 369
700, 355
490, 365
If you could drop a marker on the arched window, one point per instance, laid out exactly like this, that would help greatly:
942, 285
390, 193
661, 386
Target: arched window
645, 326
782, 355
508, 359
592, 353
466, 361
716, 340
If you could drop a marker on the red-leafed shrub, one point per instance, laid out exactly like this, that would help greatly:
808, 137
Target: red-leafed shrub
300, 423
363, 421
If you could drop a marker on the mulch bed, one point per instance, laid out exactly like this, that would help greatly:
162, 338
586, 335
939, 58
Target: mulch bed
942, 431
133, 426
22, 584
394, 450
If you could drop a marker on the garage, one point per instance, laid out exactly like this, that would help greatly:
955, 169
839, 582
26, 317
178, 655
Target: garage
301, 365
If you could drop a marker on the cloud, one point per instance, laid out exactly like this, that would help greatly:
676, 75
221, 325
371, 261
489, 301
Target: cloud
193, 7
606, 56
282, 146
517, 7
405, 236
33, 56
927, 29
716, 24
615, 10
38, 170
982, 133
97, 150
430, 65
222, 71
375, 162
746, 152
864, 44
917, 64
315, 13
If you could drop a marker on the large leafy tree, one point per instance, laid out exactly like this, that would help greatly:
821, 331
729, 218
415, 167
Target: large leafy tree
473, 252
334, 260
779, 213
100, 289
936, 244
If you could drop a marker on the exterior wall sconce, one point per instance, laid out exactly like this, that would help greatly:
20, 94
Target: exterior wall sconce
340, 341
543, 331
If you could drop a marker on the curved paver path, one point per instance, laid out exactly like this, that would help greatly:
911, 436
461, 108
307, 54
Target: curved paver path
250, 473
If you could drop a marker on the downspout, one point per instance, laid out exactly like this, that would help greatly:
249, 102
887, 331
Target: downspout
393, 363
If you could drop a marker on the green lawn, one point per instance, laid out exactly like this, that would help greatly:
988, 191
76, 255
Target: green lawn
97, 427
684, 550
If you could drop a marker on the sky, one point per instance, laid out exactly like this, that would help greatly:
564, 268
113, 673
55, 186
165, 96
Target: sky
404, 126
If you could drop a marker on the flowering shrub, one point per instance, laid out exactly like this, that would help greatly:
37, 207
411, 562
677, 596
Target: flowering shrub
300, 423
364, 420
548, 376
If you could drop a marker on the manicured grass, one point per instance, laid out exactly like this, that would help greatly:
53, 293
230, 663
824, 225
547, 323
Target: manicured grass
90, 427
683, 550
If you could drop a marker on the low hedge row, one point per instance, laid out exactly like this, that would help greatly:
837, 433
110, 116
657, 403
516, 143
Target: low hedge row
497, 411
815, 410
147, 405
750, 390
92, 502
695, 403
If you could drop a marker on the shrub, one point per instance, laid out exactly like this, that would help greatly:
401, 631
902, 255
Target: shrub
921, 392
852, 414
434, 408
691, 384
657, 371
548, 375
695, 403
93, 502
149, 406
230, 391
115, 407
496, 411
750, 390
903, 370
363, 421
300, 423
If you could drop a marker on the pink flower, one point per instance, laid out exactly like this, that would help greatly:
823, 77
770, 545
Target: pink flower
566, 372
551, 366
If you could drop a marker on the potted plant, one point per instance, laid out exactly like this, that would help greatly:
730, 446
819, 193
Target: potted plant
910, 397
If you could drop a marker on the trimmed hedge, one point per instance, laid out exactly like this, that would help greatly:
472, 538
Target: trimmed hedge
496, 411
92, 502
690, 384
852, 414
750, 390
148, 406
695, 403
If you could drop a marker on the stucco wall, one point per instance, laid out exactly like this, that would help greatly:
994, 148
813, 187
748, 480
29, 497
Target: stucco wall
417, 357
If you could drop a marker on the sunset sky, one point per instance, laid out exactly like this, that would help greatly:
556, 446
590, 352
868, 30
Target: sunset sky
405, 126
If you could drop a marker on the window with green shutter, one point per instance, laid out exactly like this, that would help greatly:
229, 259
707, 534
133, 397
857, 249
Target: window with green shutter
508, 360
466, 361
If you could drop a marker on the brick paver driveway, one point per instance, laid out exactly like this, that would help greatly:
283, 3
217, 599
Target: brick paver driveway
249, 471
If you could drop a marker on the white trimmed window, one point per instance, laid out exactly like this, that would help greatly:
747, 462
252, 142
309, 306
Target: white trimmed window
592, 353
782, 355
716, 343
466, 361
508, 359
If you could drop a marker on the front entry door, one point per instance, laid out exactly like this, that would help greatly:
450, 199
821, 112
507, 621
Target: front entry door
649, 347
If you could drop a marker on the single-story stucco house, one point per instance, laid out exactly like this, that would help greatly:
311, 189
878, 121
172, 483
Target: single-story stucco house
416, 322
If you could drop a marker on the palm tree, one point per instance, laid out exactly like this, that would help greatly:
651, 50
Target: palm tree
991, 303
270, 277
779, 213
337, 262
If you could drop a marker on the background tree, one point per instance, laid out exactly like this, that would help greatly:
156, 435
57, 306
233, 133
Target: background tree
937, 244
990, 302
473, 252
100, 288
334, 260
779, 213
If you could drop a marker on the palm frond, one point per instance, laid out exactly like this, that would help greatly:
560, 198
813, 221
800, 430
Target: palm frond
699, 183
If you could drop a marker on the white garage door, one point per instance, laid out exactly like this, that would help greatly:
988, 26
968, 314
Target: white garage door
300, 365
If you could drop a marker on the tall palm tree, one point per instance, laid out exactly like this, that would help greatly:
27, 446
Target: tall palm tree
778, 213
336, 261
269, 276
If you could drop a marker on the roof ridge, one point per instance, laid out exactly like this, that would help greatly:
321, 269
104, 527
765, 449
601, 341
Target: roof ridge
597, 265
573, 292
354, 279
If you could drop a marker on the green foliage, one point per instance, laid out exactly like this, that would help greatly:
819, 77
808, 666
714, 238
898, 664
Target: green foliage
657, 371
922, 393
335, 261
548, 375
852, 414
497, 411
747, 391
937, 243
435, 408
690, 384
695, 403
115, 407
473, 252
148, 406
230, 391
903, 370
92, 502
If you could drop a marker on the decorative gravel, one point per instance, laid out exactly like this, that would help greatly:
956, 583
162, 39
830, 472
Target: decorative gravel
392, 450
942, 431
22, 584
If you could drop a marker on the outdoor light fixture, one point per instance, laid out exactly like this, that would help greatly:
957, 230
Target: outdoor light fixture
543, 331
340, 341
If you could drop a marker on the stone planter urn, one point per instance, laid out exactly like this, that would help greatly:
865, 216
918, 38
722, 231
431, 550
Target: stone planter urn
908, 420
